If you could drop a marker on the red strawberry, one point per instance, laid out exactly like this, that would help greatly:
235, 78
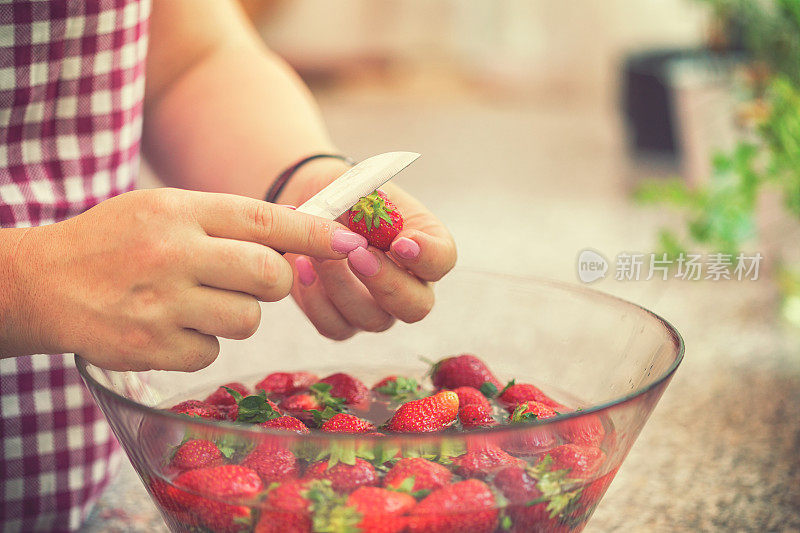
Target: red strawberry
530, 411
428, 414
289, 506
197, 453
344, 477
581, 461
399, 389
462, 371
199, 409
480, 463
344, 423
272, 463
345, 386
520, 489
516, 394
377, 219
218, 484
388, 380
285, 383
464, 507
291, 496
476, 416
472, 396
592, 492
283, 522
286, 423
223, 397
427, 474
300, 404
380, 510
171, 500
586, 430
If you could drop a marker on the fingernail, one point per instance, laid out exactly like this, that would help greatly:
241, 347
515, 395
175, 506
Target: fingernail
345, 241
405, 248
305, 270
287, 206
364, 262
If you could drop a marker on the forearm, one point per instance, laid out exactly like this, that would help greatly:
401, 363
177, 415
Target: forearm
16, 327
232, 121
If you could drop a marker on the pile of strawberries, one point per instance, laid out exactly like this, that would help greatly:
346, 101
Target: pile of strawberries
535, 478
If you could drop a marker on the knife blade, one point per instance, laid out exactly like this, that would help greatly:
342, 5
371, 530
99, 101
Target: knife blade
361, 180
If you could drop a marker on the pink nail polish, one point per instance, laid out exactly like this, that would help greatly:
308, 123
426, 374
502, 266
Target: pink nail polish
346, 241
287, 206
405, 248
305, 270
364, 262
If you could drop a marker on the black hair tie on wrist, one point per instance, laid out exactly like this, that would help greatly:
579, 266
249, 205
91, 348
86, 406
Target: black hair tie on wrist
280, 183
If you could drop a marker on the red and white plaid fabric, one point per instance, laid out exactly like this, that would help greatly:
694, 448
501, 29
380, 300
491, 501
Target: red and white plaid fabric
71, 90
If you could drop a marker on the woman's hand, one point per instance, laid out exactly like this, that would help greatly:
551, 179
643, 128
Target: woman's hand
372, 288
149, 279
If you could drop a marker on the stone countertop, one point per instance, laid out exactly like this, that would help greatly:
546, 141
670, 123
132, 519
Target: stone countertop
720, 452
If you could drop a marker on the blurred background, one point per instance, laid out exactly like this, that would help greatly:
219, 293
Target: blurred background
620, 126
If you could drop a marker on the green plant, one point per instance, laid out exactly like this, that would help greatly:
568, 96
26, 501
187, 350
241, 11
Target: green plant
721, 214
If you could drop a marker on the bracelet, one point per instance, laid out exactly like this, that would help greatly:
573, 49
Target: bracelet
278, 185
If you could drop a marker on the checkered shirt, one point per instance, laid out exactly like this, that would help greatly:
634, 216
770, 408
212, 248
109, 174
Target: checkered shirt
71, 89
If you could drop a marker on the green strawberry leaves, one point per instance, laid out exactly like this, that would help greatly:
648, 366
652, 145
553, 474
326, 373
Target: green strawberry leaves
402, 389
489, 389
330, 514
253, 409
372, 209
520, 414
407, 486
508, 386
322, 392
557, 489
320, 417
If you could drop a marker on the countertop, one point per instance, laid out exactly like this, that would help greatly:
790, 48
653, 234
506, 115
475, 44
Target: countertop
720, 452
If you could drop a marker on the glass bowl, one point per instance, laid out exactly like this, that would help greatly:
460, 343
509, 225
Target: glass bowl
604, 360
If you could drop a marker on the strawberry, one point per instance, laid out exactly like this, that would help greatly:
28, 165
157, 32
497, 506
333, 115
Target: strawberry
426, 474
345, 386
300, 405
344, 477
427, 414
272, 463
221, 396
472, 396
197, 453
399, 388
581, 461
515, 394
462, 371
317, 405
285, 423
476, 416
171, 500
377, 219
283, 522
481, 462
253, 409
380, 510
520, 489
595, 490
285, 383
585, 430
196, 408
530, 411
291, 496
344, 423
464, 507
209, 487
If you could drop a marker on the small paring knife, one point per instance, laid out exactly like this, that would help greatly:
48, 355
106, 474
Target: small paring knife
361, 180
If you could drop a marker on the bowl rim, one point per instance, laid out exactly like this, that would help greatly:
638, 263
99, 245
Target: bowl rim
253, 430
